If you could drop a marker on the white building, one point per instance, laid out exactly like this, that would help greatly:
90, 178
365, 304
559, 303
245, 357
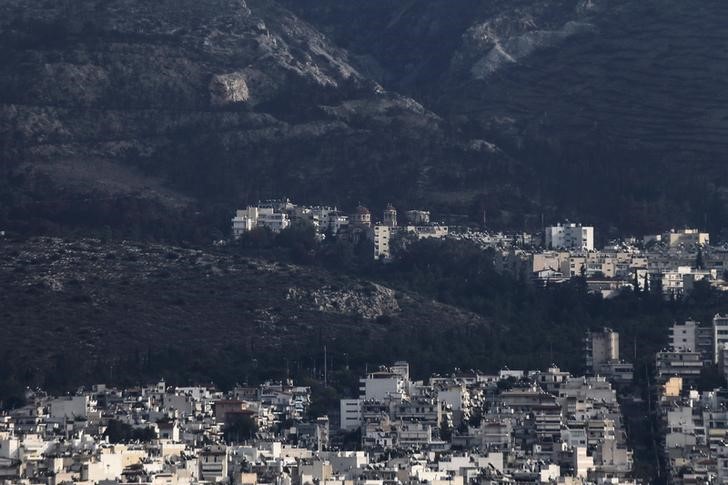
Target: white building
401, 368
70, 407
720, 335
253, 217
337, 222
382, 236
381, 385
602, 348
682, 280
350, 414
245, 221
273, 220
693, 337
581, 462
683, 337
570, 236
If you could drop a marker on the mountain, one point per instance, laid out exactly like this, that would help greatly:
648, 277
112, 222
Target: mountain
617, 107
157, 119
121, 112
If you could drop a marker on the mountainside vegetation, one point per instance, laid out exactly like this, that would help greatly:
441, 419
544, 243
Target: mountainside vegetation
617, 107
88, 310
127, 114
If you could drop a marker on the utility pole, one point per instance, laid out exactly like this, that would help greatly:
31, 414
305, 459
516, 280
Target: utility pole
325, 373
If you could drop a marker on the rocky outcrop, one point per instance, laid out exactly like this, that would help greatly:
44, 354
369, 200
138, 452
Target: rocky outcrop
228, 89
368, 300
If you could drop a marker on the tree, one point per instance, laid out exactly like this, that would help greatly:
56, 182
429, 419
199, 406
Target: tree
241, 429
445, 431
656, 288
710, 378
120, 432
636, 283
699, 262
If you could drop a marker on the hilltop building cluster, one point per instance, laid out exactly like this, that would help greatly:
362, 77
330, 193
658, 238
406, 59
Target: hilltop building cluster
277, 215
671, 263
515, 427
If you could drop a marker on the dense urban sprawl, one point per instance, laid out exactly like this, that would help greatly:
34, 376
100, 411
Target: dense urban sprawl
512, 427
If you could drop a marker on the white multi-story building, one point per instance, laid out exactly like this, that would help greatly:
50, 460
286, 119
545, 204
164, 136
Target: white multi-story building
570, 236
273, 220
253, 217
692, 337
682, 280
350, 414
71, 407
602, 348
382, 236
213, 463
379, 386
720, 335
685, 364
244, 221
683, 337
337, 222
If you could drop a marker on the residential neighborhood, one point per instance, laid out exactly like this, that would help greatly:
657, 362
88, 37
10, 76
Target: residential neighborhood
512, 427
373, 242
670, 263
693, 425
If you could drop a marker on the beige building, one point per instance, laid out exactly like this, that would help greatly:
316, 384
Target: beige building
602, 348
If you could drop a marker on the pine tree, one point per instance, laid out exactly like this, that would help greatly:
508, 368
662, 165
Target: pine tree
699, 263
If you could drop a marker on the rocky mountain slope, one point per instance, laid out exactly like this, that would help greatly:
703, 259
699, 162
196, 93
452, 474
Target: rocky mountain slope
119, 113
91, 304
187, 102
616, 105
